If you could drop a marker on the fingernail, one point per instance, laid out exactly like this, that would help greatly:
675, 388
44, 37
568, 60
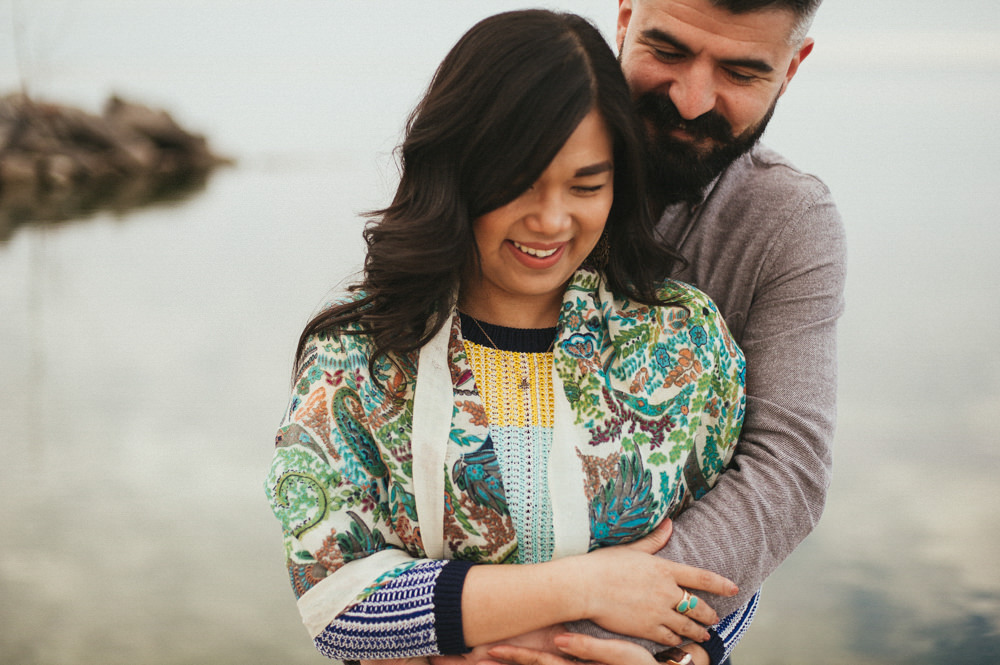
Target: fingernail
561, 641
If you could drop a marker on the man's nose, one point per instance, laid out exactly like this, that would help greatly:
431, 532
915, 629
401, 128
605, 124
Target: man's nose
693, 91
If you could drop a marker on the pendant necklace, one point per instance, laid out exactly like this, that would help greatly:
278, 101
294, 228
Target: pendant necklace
524, 384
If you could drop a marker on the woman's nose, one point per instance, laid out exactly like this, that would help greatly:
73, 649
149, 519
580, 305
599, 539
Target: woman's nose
550, 214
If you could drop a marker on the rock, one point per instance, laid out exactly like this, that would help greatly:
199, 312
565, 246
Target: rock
59, 172
54, 151
19, 172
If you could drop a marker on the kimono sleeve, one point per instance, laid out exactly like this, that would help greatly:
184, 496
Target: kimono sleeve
328, 487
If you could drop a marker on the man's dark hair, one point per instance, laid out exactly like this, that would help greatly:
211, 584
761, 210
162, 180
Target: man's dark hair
804, 11
499, 108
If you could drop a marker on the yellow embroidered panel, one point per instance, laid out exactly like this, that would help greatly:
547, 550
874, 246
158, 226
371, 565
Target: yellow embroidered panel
516, 388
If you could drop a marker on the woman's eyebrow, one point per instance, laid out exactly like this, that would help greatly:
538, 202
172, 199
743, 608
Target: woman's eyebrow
594, 169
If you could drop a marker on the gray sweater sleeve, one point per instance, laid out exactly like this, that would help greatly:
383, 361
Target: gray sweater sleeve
775, 489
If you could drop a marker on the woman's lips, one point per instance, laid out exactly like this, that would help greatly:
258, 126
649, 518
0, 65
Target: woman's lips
535, 251
537, 255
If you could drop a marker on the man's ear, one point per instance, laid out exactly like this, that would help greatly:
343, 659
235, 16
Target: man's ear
793, 66
624, 16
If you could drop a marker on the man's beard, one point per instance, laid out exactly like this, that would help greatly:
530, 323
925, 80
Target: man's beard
679, 170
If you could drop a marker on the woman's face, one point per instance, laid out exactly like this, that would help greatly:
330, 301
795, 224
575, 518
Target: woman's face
530, 247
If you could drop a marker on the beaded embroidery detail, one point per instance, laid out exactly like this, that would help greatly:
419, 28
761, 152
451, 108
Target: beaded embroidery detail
521, 418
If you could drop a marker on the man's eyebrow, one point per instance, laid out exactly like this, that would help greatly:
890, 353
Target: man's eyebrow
657, 35
594, 169
753, 64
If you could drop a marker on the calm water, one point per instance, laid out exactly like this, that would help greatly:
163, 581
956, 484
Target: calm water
144, 359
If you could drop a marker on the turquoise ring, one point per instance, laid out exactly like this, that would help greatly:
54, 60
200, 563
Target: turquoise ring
688, 603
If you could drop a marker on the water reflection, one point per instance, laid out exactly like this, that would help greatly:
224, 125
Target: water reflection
53, 208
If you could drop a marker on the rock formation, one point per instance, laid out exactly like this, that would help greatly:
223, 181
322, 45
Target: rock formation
58, 162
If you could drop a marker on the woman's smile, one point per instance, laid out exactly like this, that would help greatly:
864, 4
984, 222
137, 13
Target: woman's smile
537, 251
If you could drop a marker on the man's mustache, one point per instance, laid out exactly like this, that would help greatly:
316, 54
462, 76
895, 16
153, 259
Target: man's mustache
659, 109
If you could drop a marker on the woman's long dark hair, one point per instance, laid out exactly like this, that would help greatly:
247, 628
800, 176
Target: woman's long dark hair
498, 110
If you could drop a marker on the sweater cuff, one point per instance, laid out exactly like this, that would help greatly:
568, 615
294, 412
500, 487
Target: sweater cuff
715, 647
448, 608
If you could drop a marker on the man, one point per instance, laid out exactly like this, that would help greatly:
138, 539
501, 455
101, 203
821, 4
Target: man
766, 243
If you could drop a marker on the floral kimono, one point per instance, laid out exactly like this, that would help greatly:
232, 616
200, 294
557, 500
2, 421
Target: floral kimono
375, 474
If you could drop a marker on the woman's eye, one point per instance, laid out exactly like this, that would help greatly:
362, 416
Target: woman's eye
589, 189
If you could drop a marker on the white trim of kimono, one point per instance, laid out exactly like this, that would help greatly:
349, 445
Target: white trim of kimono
334, 594
567, 483
433, 405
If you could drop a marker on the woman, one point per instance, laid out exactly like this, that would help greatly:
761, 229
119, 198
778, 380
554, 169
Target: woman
512, 382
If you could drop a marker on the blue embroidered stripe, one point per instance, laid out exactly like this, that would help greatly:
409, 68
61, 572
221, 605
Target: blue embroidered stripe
396, 621
733, 627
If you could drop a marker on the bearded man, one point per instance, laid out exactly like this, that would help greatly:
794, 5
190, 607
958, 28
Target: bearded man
765, 241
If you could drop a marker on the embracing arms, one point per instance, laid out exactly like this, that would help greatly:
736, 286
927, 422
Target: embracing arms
628, 591
502, 601
774, 491
777, 273
353, 547
344, 471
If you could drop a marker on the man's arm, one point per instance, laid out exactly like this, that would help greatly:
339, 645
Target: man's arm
774, 492
775, 489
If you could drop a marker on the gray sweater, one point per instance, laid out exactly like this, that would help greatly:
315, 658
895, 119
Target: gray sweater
767, 244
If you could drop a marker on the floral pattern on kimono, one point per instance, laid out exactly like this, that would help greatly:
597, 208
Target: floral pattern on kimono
649, 406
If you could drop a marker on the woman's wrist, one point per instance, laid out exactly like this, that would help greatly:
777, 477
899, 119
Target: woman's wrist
506, 600
577, 598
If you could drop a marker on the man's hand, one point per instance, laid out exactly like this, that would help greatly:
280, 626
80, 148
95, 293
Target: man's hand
541, 641
590, 650
422, 660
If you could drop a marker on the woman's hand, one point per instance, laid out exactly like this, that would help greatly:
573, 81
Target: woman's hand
590, 650
629, 591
